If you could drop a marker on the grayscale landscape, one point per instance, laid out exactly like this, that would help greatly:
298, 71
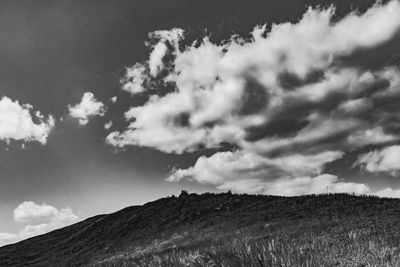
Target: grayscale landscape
199, 133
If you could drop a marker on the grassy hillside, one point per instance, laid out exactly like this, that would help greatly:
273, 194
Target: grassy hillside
226, 230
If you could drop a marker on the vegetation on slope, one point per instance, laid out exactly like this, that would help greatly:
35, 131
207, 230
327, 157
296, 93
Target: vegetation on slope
226, 230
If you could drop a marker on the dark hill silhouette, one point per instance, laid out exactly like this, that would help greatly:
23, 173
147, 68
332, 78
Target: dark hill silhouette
193, 221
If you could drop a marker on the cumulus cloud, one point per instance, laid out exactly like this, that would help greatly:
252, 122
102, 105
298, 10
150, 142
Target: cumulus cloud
29, 210
389, 193
166, 39
296, 91
108, 125
138, 77
7, 238
134, 79
315, 185
289, 175
21, 122
384, 160
39, 219
87, 108
240, 165
237, 92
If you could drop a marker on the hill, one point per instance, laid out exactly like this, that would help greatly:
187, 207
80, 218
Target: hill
225, 230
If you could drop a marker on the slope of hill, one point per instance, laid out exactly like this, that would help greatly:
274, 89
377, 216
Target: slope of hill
225, 230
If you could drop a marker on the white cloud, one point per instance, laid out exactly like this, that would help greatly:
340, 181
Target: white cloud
30, 212
376, 26
388, 192
113, 99
172, 38
63, 218
134, 79
289, 101
7, 238
250, 172
216, 84
108, 125
314, 185
155, 61
137, 75
20, 122
371, 136
288, 176
384, 160
87, 108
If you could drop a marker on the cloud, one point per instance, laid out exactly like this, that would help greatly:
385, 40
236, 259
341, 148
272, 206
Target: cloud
314, 185
40, 219
30, 211
223, 166
87, 108
7, 238
236, 93
134, 79
371, 136
384, 160
295, 92
138, 77
63, 218
165, 39
389, 193
108, 125
288, 176
247, 172
21, 122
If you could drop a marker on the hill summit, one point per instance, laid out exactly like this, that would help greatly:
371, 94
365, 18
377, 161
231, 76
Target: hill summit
226, 230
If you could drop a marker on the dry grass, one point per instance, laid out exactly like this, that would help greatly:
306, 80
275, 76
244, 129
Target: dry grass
342, 230
226, 230
356, 248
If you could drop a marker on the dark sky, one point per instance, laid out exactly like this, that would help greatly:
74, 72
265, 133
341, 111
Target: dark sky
52, 52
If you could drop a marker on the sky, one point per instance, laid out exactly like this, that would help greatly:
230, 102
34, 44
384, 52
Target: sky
107, 104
